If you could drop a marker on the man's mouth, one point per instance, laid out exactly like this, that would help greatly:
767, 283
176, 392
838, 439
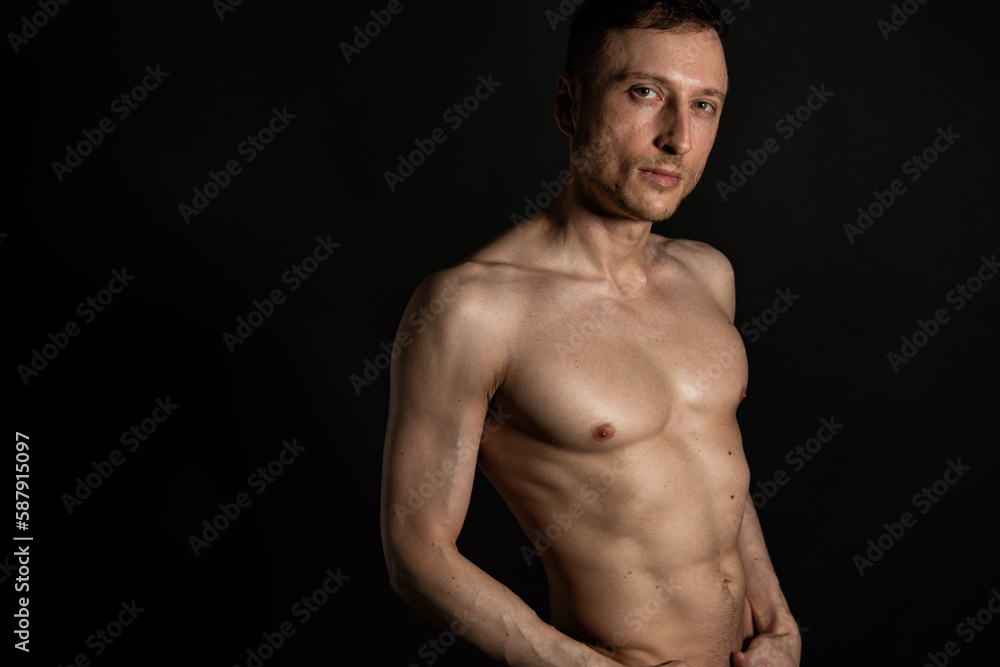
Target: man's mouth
665, 178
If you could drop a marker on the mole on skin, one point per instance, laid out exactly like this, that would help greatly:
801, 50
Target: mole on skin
603, 432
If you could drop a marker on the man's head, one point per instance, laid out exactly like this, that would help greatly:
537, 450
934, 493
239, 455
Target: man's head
640, 100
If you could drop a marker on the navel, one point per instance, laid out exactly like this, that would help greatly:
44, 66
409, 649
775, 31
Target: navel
603, 432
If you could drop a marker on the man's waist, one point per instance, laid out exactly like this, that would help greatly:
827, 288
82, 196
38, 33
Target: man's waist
672, 624
701, 606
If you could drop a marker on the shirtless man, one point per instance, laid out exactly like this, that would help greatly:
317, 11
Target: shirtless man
609, 354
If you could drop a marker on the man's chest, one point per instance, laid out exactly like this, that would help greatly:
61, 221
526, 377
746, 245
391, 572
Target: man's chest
582, 365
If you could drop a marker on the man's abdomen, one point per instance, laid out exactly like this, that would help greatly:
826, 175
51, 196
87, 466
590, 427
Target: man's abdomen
698, 614
639, 541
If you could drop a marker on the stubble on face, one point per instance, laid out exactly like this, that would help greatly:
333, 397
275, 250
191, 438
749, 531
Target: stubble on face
593, 153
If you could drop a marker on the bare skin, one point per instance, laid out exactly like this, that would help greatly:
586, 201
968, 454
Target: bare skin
610, 362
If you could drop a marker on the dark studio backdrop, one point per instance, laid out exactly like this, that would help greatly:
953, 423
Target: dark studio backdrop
153, 413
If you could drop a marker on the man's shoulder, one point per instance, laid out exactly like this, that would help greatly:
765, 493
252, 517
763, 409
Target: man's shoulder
708, 266
460, 318
473, 297
698, 256
500, 271
473, 282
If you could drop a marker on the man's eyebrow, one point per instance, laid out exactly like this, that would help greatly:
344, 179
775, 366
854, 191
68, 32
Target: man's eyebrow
704, 92
712, 92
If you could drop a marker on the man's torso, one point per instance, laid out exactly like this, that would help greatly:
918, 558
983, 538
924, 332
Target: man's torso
620, 455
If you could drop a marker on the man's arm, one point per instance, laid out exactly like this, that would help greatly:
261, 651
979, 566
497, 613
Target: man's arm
440, 387
778, 643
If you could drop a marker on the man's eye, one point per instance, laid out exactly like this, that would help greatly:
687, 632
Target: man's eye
705, 106
644, 93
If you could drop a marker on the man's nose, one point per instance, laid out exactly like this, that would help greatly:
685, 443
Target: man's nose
675, 130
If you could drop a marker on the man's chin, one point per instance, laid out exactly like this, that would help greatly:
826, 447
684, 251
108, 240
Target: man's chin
662, 217
638, 203
657, 206
650, 211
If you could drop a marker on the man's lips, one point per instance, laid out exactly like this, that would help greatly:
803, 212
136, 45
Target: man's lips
666, 178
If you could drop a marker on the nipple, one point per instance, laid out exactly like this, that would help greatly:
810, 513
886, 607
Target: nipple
603, 432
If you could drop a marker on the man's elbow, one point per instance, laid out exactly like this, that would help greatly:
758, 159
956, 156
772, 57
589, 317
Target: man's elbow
400, 578
393, 561
410, 571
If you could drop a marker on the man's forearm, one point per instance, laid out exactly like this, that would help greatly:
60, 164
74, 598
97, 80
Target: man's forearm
454, 593
770, 609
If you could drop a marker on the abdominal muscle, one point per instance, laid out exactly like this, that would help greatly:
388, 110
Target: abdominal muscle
639, 544
698, 614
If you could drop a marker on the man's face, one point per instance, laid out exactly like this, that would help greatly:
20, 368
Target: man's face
644, 128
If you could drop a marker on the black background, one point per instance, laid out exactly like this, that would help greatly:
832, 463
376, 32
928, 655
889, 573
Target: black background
323, 176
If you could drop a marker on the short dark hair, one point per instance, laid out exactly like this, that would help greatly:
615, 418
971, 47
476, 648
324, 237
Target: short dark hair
597, 19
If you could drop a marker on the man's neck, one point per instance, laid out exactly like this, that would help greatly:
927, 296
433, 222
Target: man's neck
586, 240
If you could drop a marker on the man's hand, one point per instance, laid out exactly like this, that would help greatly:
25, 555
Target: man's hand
770, 650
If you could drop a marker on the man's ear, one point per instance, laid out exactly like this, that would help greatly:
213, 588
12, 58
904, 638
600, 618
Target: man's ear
567, 106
